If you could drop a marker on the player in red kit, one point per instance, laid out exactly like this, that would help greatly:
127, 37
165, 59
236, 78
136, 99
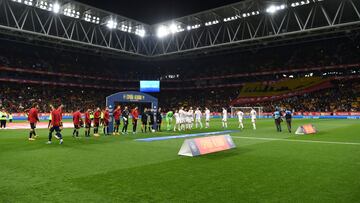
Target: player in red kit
87, 123
33, 119
117, 114
56, 123
76, 120
97, 115
106, 121
135, 118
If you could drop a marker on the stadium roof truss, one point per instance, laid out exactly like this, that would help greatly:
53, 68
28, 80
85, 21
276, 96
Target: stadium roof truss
246, 22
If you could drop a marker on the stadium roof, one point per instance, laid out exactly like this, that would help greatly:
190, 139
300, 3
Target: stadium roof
74, 23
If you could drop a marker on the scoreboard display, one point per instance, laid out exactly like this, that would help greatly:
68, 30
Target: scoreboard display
149, 86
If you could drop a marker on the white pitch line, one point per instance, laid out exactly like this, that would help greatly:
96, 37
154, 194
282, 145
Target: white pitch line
289, 140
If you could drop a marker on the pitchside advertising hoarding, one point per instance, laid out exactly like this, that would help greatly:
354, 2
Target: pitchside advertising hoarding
206, 145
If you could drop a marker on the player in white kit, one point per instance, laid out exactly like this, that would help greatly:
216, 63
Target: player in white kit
207, 118
177, 120
240, 115
191, 118
253, 118
182, 115
224, 118
198, 115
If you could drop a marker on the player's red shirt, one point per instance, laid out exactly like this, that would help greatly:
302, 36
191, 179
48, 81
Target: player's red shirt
56, 117
97, 115
33, 115
77, 118
135, 114
117, 114
106, 116
87, 118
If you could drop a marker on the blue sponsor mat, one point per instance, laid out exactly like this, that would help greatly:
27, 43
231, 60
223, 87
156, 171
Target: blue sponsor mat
151, 139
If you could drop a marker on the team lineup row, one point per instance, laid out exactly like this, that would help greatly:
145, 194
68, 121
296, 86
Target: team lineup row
151, 120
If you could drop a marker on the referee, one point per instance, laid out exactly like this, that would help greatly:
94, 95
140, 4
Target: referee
288, 118
277, 117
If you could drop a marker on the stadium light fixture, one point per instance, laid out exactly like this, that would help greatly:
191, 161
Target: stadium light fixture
111, 24
56, 8
90, 18
192, 27
302, 3
140, 32
71, 13
162, 31
211, 23
45, 5
273, 9
173, 28
28, 2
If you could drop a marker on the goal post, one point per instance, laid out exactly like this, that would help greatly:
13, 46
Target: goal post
246, 110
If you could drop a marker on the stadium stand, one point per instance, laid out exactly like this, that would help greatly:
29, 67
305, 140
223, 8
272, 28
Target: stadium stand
30, 73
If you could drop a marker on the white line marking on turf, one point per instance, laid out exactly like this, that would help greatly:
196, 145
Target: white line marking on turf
289, 140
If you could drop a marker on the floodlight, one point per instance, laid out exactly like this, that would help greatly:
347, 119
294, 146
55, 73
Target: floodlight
56, 8
111, 24
173, 28
140, 32
271, 9
162, 31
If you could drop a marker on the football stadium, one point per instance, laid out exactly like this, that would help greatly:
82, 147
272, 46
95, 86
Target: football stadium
175, 101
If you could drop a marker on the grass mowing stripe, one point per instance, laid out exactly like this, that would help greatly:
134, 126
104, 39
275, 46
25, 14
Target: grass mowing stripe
289, 140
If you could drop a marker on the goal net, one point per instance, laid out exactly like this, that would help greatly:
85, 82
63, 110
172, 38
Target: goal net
246, 110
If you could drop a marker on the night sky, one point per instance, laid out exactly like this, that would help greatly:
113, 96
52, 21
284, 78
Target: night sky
155, 11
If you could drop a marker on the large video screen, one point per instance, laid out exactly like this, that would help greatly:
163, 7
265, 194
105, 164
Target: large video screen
149, 86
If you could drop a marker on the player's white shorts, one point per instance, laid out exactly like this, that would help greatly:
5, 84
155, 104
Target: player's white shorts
224, 119
240, 120
198, 120
253, 120
177, 121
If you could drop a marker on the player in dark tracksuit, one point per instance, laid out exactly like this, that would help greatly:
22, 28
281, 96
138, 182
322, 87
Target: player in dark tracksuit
151, 120
158, 119
144, 120
288, 118
277, 117
125, 115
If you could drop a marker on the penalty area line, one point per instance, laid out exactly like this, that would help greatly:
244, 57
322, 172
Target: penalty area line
289, 140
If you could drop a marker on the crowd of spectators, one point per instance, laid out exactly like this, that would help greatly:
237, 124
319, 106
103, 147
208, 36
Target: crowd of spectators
344, 96
206, 81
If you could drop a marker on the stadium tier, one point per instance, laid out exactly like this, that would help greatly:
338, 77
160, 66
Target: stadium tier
260, 78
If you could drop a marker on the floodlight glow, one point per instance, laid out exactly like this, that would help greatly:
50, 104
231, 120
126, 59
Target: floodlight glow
140, 32
111, 24
302, 3
173, 28
56, 8
28, 2
162, 31
191, 27
271, 9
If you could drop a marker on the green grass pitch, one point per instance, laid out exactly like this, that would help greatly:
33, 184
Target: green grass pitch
119, 169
